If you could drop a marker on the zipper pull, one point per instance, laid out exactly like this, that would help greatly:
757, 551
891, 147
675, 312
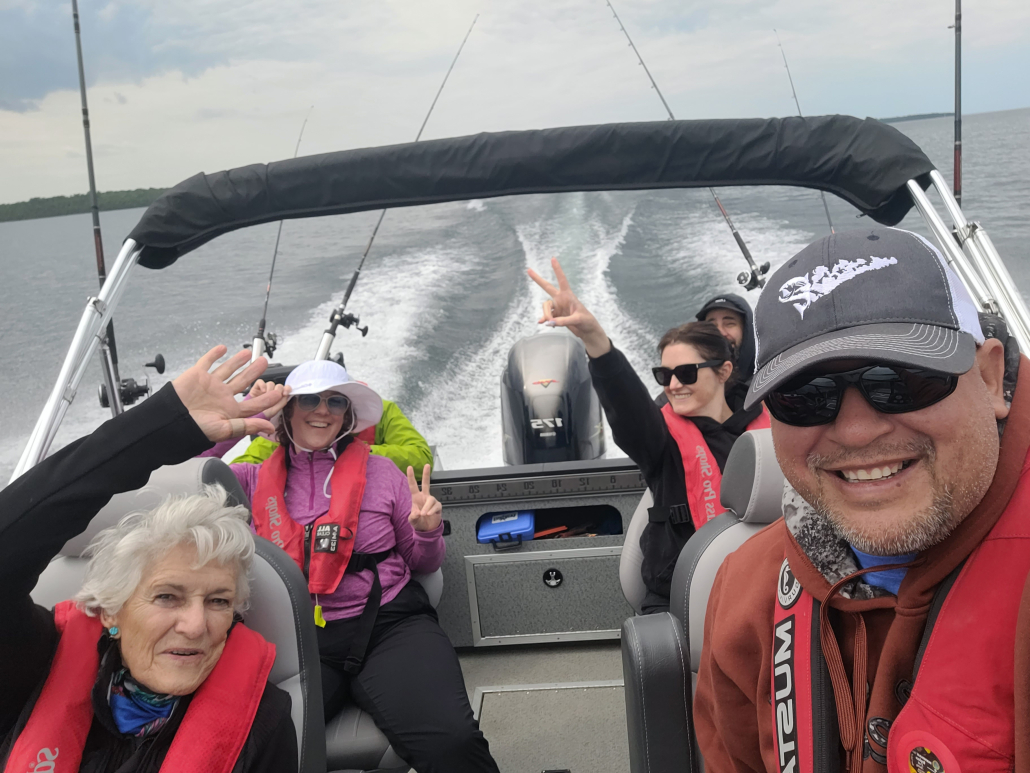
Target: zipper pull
319, 620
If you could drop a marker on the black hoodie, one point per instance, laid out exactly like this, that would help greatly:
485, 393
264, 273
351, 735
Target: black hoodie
744, 362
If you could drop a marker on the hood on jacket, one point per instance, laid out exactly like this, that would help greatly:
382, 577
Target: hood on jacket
745, 362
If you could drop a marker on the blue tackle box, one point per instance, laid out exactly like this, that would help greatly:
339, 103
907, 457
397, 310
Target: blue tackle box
500, 528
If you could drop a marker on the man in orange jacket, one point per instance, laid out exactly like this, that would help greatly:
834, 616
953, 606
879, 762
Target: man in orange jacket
884, 622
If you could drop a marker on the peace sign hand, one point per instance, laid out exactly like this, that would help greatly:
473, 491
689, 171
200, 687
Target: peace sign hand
426, 510
564, 309
210, 397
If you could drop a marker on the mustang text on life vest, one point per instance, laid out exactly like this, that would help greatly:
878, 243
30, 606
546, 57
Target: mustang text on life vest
783, 683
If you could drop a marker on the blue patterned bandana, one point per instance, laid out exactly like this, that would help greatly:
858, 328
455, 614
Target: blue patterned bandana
135, 709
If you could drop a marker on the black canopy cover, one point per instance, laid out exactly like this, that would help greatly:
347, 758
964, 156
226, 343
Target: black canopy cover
865, 162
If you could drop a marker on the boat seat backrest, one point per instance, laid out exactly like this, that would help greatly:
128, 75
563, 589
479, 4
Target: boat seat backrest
661, 652
752, 492
280, 607
632, 556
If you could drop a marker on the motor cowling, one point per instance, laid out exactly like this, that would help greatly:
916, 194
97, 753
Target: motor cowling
549, 410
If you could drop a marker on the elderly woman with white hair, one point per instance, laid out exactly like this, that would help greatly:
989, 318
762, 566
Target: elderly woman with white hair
135, 673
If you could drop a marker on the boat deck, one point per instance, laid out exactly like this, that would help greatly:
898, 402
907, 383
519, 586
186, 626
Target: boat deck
545, 708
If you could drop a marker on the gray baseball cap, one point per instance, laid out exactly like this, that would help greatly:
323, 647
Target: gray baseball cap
882, 293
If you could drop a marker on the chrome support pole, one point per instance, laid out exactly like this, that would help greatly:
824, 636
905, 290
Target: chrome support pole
257, 348
88, 335
981, 251
323, 346
952, 252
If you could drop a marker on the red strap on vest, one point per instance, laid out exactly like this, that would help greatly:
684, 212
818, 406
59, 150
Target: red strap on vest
332, 537
792, 718
56, 731
961, 713
368, 435
701, 473
219, 717
211, 735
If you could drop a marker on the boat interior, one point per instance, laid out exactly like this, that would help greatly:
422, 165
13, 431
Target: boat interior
563, 672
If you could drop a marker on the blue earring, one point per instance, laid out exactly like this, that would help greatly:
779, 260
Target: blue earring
113, 631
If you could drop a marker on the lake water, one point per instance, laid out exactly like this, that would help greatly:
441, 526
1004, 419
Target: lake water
444, 291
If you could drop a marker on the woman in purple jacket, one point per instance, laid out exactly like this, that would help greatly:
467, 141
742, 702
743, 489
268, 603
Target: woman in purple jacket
359, 530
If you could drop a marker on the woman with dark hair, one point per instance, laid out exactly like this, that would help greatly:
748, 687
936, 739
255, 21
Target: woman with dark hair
681, 448
359, 530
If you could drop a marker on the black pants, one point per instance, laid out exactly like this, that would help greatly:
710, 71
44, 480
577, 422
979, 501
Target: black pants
411, 684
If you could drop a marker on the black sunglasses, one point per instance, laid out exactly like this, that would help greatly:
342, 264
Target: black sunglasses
686, 374
808, 401
337, 404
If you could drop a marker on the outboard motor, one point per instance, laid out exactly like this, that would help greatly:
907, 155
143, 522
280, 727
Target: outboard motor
549, 410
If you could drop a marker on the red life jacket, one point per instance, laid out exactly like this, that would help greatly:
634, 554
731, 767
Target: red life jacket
700, 471
960, 715
211, 735
323, 549
368, 434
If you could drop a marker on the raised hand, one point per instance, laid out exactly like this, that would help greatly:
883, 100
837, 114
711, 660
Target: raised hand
426, 510
261, 387
564, 309
210, 397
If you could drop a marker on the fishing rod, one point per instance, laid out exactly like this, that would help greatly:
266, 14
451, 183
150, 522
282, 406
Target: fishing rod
109, 352
115, 392
756, 276
339, 315
793, 91
957, 26
262, 343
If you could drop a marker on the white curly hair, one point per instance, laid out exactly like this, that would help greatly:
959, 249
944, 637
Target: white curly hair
120, 555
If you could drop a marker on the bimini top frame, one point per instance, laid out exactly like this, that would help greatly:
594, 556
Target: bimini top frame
867, 163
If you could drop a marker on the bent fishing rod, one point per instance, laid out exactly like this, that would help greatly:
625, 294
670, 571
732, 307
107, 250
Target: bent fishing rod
339, 315
756, 276
262, 343
797, 104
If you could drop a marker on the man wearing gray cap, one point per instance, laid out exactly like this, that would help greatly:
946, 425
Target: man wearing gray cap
884, 622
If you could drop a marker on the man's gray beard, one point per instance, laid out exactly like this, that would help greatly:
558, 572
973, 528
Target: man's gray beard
929, 527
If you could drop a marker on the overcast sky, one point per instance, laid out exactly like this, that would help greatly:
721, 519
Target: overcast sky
181, 86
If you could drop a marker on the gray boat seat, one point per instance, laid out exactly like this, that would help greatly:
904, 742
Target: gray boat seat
632, 557
280, 607
661, 653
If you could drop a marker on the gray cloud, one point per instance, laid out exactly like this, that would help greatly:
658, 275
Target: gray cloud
179, 86
120, 42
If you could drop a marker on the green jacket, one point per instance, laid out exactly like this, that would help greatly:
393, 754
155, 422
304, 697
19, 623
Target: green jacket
396, 439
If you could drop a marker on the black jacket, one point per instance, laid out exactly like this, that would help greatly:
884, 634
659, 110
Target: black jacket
43, 509
640, 430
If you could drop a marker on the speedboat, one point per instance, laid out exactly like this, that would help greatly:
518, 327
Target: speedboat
538, 622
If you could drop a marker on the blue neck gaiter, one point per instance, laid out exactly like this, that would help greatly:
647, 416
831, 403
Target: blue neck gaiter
889, 580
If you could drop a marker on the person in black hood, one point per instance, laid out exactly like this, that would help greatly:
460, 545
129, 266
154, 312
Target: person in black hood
735, 320
680, 448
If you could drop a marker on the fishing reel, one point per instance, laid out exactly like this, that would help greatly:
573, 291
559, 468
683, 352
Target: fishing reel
269, 343
347, 320
129, 390
753, 279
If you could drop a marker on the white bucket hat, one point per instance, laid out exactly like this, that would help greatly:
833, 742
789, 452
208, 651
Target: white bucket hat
316, 376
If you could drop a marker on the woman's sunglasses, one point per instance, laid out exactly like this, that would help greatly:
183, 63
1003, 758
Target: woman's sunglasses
337, 404
685, 374
808, 401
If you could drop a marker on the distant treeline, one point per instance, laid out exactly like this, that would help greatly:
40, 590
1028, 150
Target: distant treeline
916, 117
56, 206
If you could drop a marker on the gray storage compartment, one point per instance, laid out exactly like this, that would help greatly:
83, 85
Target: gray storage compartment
546, 596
